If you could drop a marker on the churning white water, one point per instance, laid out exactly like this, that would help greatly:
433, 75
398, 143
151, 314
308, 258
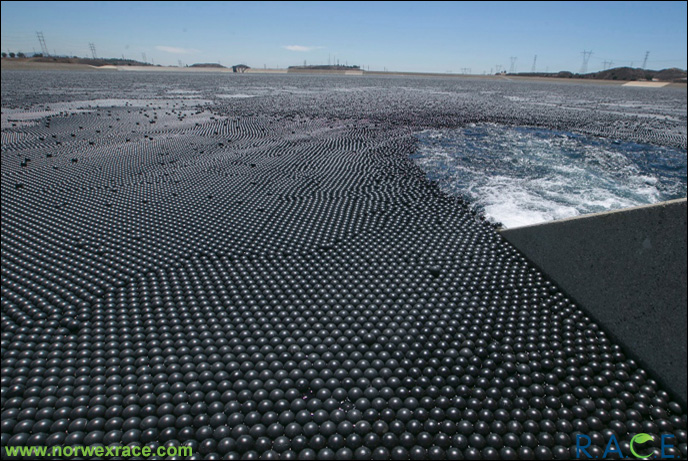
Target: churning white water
518, 176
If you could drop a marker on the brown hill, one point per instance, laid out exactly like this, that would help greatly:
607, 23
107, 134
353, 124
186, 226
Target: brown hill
621, 73
208, 64
77, 60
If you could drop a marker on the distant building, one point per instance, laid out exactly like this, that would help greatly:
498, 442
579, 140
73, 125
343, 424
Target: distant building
240, 68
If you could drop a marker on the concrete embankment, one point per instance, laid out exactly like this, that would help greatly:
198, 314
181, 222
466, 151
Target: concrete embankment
627, 269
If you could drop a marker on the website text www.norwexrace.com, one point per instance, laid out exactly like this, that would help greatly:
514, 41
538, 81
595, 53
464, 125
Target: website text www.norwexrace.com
97, 451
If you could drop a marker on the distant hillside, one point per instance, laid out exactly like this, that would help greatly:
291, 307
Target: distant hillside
620, 73
208, 64
673, 75
629, 73
87, 61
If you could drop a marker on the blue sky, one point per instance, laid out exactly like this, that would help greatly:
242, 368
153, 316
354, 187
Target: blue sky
409, 36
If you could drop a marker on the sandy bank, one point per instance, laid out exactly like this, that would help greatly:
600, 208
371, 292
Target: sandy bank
11, 64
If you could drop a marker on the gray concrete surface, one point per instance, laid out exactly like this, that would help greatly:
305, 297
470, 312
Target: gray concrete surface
627, 269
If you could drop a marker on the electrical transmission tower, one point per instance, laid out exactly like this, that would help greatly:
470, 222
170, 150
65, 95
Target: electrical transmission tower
647, 53
586, 58
534, 62
143, 56
41, 40
512, 68
93, 50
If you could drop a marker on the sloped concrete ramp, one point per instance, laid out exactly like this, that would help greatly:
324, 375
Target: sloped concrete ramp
627, 269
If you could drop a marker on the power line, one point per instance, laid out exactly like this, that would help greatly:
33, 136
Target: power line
41, 40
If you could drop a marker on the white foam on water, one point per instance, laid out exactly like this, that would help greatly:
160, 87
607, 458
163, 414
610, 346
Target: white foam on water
514, 204
520, 176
